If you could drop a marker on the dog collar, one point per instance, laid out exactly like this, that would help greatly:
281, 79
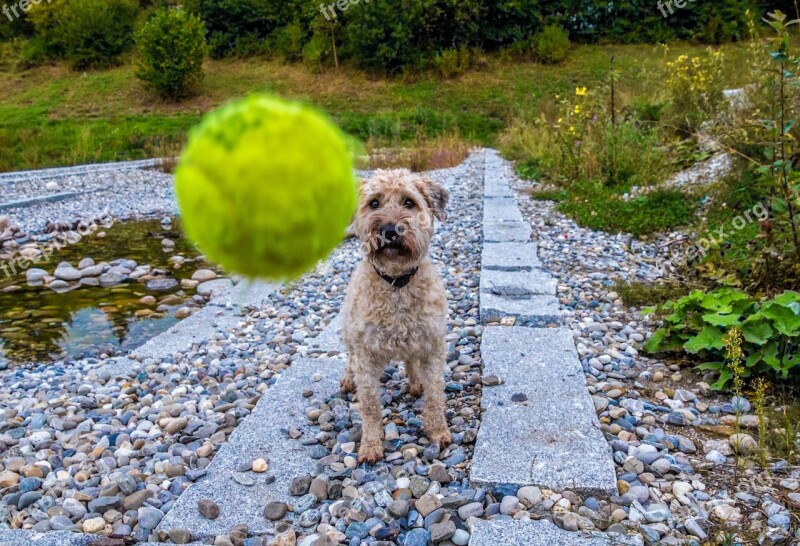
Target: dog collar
398, 282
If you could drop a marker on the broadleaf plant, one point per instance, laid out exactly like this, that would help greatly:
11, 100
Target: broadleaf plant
697, 323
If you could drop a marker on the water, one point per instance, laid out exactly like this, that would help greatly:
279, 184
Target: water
39, 325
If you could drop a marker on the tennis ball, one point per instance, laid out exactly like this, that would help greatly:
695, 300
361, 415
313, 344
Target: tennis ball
266, 187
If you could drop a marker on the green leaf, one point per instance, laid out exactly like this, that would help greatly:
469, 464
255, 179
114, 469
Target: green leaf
784, 319
653, 345
709, 338
787, 298
756, 331
717, 319
789, 125
724, 376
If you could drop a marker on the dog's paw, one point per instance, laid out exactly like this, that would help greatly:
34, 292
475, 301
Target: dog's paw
443, 439
370, 453
415, 389
348, 385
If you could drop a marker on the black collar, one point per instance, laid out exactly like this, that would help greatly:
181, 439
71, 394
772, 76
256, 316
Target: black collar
398, 282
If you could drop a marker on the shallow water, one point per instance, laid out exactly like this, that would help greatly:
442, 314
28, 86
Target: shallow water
39, 325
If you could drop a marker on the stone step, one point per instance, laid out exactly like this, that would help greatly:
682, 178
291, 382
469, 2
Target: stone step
539, 427
506, 232
509, 257
528, 296
503, 209
510, 532
258, 435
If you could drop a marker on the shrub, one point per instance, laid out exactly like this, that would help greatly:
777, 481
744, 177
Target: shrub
247, 27
631, 156
95, 33
452, 63
171, 51
697, 324
47, 18
695, 90
551, 45
289, 41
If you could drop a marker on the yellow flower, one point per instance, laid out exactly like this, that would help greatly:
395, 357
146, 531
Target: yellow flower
580, 91
577, 108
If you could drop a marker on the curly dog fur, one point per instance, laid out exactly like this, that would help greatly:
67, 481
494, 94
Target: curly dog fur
386, 319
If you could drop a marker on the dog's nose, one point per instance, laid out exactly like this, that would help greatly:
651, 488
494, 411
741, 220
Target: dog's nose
389, 232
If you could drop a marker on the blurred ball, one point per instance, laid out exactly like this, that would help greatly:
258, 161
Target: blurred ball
266, 187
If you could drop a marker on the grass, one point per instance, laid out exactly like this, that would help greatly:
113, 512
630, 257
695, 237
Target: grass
596, 206
52, 116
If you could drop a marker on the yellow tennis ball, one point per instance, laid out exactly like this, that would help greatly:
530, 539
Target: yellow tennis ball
266, 187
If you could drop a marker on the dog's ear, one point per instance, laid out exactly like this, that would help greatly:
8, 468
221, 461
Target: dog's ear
437, 197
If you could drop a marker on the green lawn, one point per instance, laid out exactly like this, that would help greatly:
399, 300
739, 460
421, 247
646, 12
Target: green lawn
51, 116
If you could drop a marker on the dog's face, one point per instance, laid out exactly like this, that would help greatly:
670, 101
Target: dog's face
395, 218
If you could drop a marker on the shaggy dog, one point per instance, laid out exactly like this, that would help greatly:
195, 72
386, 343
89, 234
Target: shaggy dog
396, 305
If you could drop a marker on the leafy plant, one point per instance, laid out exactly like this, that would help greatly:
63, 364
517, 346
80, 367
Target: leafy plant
171, 51
90, 33
551, 45
697, 324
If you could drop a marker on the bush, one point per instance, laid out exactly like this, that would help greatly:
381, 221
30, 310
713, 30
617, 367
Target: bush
171, 49
452, 63
247, 27
631, 156
48, 41
95, 33
698, 323
551, 45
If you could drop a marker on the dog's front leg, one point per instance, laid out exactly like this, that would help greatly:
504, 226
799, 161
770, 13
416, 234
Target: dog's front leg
368, 387
432, 376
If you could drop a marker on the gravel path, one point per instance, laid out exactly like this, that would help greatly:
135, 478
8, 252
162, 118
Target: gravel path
122, 194
85, 449
675, 478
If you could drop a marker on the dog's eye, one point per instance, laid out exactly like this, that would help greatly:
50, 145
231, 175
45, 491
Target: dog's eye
374, 204
409, 204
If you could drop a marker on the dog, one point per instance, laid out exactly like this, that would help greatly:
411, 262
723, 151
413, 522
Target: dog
395, 307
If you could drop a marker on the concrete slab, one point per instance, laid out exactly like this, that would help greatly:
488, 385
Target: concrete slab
496, 189
506, 232
505, 531
501, 210
534, 311
510, 257
539, 427
259, 435
202, 325
518, 283
246, 294
330, 339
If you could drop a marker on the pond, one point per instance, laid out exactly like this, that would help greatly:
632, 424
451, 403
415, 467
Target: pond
38, 324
